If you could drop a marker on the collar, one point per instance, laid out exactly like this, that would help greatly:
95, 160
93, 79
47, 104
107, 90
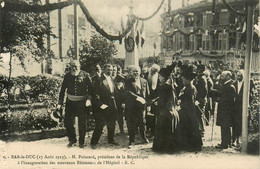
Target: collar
106, 76
227, 81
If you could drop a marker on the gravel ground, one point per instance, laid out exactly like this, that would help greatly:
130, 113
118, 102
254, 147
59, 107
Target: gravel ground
53, 153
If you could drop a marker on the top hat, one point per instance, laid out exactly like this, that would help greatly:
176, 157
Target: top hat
201, 67
165, 72
57, 115
188, 72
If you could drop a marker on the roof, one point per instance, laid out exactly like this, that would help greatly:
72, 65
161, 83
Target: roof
204, 5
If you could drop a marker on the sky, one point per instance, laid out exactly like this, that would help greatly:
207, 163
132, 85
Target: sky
114, 10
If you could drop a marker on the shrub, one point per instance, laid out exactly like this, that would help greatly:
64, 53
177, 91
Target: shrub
31, 89
28, 120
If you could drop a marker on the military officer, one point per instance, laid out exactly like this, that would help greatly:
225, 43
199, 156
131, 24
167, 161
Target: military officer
79, 89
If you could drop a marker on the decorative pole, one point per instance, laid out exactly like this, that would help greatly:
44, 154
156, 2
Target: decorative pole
1, 6
249, 40
75, 32
131, 57
60, 31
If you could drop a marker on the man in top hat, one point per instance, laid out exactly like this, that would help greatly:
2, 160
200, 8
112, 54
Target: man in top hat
227, 95
200, 83
106, 106
79, 90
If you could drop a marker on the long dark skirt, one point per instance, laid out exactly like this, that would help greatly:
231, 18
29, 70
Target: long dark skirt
167, 134
190, 133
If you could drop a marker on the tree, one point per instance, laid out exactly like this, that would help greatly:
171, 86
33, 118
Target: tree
148, 61
98, 51
23, 34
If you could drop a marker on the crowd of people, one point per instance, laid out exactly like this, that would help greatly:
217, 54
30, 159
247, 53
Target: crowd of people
169, 105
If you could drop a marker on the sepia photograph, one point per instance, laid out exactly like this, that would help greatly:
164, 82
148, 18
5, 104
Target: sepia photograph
102, 84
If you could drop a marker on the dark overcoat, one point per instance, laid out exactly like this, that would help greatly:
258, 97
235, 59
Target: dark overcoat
226, 104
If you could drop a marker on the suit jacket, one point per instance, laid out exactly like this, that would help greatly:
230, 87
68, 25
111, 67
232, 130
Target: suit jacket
120, 94
237, 114
202, 89
132, 92
226, 104
103, 94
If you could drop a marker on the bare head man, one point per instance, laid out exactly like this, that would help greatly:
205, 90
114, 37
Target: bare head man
240, 75
135, 71
225, 76
74, 67
108, 69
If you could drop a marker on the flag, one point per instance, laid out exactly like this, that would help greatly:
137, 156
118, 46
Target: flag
137, 38
122, 25
142, 34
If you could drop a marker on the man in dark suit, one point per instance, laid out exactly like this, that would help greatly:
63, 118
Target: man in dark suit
137, 93
227, 94
237, 114
119, 81
106, 106
200, 82
79, 90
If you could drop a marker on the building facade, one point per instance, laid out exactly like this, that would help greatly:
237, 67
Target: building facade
194, 33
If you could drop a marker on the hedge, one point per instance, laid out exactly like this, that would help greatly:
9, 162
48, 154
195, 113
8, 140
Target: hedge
30, 89
11, 122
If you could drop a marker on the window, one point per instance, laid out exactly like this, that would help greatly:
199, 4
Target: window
238, 37
220, 37
170, 43
82, 23
223, 41
177, 41
204, 20
70, 19
174, 43
199, 41
182, 42
206, 42
224, 17
191, 43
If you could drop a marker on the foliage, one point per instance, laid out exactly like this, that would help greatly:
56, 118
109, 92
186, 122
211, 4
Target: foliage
11, 122
98, 51
148, 61
120, 62
32, 89
23, 34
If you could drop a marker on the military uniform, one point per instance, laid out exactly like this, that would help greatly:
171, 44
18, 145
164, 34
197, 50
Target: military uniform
79, 89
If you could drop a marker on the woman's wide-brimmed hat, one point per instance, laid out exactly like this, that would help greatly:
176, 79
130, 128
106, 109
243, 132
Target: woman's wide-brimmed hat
188, 72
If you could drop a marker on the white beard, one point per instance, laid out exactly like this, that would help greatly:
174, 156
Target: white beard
153, 79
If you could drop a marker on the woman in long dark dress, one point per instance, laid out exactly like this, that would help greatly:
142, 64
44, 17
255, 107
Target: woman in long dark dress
167, 134
189, 121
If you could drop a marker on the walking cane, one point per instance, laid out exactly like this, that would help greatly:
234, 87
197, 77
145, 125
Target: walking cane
213, 120
204, 117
